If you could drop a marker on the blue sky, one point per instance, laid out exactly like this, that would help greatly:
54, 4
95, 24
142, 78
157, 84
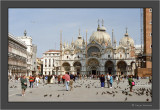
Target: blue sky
44, 24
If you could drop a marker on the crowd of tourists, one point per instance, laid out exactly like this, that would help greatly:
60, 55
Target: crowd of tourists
68, 79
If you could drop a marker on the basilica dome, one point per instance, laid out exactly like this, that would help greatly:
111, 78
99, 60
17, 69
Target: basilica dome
126, 40
79, 41
100, 35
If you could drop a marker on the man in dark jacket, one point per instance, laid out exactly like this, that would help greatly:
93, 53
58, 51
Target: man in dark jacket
23, 84
102, 80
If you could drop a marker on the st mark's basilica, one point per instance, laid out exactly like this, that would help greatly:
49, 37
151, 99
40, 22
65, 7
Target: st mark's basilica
100, 55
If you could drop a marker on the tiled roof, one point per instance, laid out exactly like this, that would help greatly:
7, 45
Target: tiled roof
52, 51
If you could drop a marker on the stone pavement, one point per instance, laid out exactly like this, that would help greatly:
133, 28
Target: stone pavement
83, 91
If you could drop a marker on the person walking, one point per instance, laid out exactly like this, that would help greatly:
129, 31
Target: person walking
108, 80
37, 80
111, 80
150, 79
43, 78
46, 79
71, 81
59, 79
31, 80
67, 79
52, 79
130, 80
23, 85
16, 78
63, 78
117, 79
102, 80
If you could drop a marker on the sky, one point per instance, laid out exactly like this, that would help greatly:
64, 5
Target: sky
44, 24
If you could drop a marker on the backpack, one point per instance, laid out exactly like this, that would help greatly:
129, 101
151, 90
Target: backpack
133, 83
46, 78
108, 77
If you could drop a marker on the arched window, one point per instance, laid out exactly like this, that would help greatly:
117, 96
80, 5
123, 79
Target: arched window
108, 56
120, 55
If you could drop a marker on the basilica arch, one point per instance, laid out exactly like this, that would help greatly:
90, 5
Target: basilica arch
122, 68
93, 51
133, 67
77, 67
66, 67
109, 67
93, 66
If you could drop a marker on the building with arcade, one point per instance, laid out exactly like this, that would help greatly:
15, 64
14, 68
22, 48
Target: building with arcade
100, 55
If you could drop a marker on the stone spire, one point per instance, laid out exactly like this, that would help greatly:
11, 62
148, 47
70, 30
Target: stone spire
64, 44
83, 42
126, 34
102, 22
126, 30
115, 42
72, 42
79, 37
98, 28
25, 33
112, 38
60, 50
79, 32
67, 44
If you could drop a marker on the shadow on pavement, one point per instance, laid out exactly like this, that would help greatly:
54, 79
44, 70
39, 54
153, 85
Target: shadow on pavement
62, 90
18, 94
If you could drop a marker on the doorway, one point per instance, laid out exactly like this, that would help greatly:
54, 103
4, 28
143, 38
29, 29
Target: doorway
94, 72
110, 70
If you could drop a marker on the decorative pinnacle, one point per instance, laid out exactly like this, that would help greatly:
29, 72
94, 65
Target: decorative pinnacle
79, 31
126, 30
98, 22
25, 33
102, 22
126, 34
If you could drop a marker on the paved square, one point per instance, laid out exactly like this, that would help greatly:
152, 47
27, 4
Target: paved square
88, 90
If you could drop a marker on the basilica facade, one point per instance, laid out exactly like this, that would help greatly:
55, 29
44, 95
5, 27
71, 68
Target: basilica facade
99, 55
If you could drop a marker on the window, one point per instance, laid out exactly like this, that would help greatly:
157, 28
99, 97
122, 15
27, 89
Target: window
45, 65
67, 57
150, 10
151, 34
151, 22
120, 55
108, 56
49, 62
53, 62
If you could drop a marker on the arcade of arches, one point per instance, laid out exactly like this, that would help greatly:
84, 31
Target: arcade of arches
109, 67
77, 67
66, 67
93, 67
121, 68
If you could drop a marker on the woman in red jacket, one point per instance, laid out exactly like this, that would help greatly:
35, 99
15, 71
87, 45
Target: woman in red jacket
31, 80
